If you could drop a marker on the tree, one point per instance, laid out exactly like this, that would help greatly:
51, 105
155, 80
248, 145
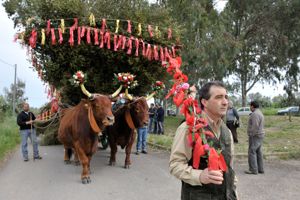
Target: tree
57, 63
259, 42
20, 91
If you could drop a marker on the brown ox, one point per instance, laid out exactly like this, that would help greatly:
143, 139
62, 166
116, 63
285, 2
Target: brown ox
128, 117
79, 127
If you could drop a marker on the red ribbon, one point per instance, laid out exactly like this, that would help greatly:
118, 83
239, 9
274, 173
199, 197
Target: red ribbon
115, 42
173, 52
129, 45
71, 39
88, 35
102, 39
156, 56
82, 31
33, 38
137, 44
96, 36
167, 55
148, 52
53, 39
162, 56
60, 36
216, 161
107, 39
198, 151
143, 48
128, 26
48, 27
79, 35
75, 25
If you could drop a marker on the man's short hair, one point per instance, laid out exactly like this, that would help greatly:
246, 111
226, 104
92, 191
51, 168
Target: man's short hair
204, 92
255, 104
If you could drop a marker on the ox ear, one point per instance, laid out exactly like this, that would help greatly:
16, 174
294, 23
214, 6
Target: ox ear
128, 95
150, 96
89, 95
116, 92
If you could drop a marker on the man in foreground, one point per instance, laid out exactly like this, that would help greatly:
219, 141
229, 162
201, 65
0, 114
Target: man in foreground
201, 183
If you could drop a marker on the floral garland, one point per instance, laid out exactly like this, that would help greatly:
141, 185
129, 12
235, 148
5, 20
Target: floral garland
78, 78
184, 95
126, 79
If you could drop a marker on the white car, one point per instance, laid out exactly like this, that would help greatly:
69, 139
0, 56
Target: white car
244, 111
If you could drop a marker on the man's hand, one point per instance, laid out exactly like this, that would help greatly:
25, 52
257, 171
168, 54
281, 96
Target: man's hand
29, 122
213, 176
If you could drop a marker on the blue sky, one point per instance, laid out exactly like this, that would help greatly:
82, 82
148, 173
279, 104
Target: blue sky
12, 53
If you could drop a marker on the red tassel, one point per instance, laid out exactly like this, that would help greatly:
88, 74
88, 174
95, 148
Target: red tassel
213, 160
96, 40
75, 25
156, 57
129, 45
124, 42
162, 56
128, 26
101, 39
88, 35
167, 55
148, 50
60, 36
48, 27
173, 52
150, 30
143, 48
169, 33
71, 39
197, 153
79, 35
137, 44
115, 42
120, 40
82, 31
107, 39
53, 39
104, 26
33, 38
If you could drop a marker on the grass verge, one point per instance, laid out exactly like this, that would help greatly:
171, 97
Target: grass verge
9, 136
282, 136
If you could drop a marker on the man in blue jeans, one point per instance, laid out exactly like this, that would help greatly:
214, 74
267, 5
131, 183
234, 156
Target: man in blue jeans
25, 120
141, 144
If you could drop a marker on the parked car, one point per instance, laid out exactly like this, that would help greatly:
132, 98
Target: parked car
293, 110
171, 113
243, 111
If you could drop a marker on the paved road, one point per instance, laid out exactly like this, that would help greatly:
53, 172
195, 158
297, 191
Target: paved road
147, 179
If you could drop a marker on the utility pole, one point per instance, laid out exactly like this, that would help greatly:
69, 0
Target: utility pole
15, 90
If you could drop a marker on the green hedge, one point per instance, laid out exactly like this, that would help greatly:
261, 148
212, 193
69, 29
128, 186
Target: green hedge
9, 136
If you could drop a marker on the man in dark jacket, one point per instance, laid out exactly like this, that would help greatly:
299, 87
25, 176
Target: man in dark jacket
25, 120
160, 119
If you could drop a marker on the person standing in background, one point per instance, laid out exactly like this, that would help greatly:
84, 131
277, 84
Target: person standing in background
232, 121
25, 120
256, 135
160, 119
152, 111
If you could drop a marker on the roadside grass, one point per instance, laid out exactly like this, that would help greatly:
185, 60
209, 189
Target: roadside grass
9, 136
282, 136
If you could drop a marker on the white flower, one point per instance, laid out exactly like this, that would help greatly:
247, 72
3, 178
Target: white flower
82, 75
124, 77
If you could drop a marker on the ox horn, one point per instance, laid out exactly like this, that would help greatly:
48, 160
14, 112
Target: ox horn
128, 95
89, 95
150, 96
117, 92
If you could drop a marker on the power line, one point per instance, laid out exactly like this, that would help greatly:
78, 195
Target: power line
6, 63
